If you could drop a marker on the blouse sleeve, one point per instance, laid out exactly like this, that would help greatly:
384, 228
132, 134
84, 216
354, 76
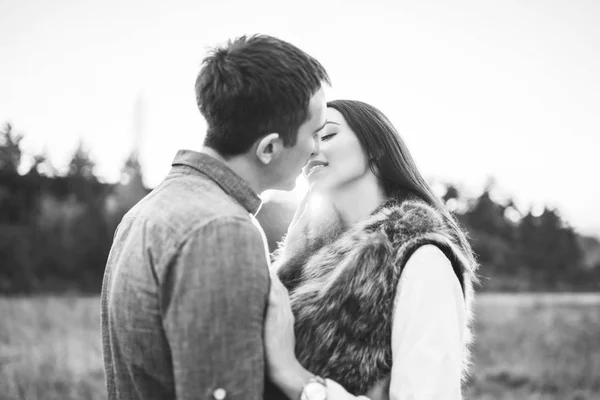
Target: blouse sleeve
428, 329
427, 332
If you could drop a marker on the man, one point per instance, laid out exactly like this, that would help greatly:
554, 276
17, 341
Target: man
186, 284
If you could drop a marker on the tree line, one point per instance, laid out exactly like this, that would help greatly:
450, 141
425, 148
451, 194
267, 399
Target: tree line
56, 229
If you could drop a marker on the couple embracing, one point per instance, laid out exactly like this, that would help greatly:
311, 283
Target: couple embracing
369, 294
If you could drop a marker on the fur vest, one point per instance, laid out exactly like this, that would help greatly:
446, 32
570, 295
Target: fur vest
342, 292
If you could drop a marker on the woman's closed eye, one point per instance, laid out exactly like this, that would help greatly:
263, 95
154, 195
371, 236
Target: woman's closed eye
328, 136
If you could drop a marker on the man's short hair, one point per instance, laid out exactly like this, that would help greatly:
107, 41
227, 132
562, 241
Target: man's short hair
254, 86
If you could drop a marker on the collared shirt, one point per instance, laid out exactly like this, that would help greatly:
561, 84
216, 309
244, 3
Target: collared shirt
185, 289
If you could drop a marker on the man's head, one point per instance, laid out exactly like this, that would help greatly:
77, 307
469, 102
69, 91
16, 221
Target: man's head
262, 96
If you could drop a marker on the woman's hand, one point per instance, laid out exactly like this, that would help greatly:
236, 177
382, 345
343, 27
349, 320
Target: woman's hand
283, 368
315, 217
297, 233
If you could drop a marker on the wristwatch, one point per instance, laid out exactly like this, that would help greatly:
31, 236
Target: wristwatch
315, 389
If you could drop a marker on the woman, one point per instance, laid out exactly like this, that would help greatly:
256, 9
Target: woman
379, 275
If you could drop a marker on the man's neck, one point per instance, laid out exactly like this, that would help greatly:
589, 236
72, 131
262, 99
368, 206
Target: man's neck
357, 201
241, 166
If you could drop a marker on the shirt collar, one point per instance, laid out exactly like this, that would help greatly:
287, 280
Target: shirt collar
222, 175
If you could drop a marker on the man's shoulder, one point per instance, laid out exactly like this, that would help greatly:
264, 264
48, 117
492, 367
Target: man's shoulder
180, 206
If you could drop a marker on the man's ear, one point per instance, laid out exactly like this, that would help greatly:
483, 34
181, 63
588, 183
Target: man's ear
269, 147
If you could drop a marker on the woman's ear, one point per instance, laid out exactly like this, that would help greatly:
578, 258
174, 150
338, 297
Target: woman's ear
269, 147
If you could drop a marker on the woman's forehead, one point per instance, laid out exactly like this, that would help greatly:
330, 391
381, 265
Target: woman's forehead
334, 116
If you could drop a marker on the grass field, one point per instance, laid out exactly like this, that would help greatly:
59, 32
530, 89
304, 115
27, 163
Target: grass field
527, 347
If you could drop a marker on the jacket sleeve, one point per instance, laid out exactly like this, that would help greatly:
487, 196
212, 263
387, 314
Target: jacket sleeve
427, 333
215, 315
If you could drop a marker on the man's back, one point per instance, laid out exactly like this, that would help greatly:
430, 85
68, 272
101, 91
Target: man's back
185, 289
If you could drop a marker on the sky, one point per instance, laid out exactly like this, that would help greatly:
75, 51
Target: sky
477, 89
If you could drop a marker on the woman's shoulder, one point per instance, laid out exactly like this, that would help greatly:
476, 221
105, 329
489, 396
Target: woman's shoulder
410, 217
429, 259
429, 252
429, 270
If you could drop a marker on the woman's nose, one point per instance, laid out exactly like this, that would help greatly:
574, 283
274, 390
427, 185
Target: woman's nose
316, 147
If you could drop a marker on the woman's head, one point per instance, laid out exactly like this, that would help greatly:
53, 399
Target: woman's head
340, 160
359, 141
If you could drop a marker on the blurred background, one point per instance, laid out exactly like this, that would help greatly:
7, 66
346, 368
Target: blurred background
499, 103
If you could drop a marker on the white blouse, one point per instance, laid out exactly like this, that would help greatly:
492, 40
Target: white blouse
427, 332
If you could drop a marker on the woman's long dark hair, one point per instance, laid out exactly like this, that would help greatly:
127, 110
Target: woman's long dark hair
392, 163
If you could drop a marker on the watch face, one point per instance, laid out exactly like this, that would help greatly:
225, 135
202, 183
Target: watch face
314, 391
